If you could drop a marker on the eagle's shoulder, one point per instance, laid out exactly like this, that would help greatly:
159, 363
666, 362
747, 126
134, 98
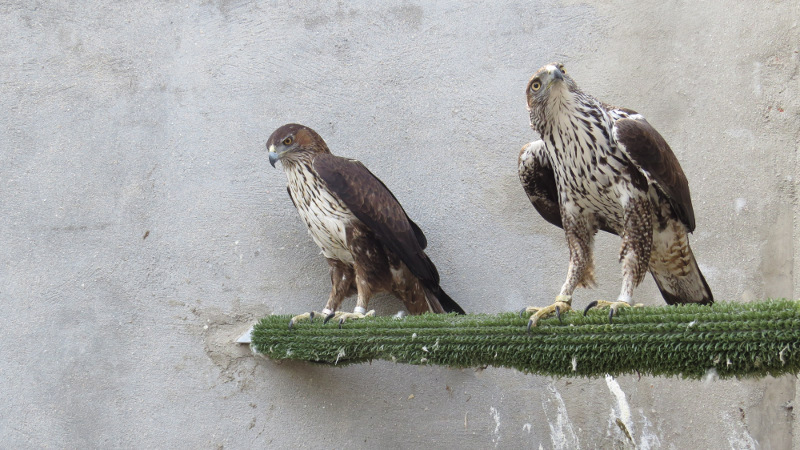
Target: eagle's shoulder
618, 113
355, 184
652, 156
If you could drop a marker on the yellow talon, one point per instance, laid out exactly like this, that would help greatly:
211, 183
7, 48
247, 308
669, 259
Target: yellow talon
562, 304
344, 316
305, 316
613, 307
340, 315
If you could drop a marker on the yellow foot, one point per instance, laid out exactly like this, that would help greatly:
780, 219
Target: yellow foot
562, 304
344, 316
613, 307
305, 316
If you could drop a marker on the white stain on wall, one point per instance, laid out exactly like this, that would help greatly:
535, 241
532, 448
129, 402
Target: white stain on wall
738, 436
739, 204
621, 412
496, 433
622, 420
649, 438
757, 78
562, 433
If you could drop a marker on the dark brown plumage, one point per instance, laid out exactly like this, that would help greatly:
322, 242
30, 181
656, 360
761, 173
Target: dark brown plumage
598, 167
651, 154
370, 243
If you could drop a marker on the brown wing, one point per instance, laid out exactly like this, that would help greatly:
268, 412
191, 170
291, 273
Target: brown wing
539, 181
650, 153
375, 205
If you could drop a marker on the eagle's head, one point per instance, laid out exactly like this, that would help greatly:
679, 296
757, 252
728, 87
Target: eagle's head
293, 142
548, 91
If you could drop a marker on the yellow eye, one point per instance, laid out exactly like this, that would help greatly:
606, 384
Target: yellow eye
562, 69
536, 85
288, 141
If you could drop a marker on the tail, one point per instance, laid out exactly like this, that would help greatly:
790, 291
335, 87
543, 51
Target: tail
440, 302
679, 288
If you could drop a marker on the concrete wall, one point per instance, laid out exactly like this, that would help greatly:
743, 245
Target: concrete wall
142, 228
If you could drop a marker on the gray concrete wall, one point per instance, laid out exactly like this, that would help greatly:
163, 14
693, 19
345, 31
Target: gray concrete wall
142, 228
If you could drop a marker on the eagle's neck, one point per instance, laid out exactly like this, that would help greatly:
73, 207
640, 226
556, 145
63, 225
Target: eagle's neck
560, 105
304, 183
577, 125
297, 159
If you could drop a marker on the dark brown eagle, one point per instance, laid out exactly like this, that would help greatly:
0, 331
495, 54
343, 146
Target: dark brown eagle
598, 167
371, 244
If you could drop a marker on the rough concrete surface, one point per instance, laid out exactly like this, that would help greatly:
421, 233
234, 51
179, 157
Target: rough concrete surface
143, 230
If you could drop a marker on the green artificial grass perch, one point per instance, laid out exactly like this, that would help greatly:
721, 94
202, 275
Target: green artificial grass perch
734, 339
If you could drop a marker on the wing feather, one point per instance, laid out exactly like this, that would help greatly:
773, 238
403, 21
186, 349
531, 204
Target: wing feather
375, 205
648, 150
539, 181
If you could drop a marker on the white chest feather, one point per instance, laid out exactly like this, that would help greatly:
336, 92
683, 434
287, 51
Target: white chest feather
325, 216
591, 172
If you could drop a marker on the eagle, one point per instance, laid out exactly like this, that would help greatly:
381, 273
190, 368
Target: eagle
370, 243
599, 167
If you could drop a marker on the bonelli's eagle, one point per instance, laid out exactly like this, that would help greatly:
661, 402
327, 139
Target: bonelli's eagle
370, 243
598, 167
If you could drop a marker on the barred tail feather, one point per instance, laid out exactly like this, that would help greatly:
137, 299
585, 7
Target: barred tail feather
689, 288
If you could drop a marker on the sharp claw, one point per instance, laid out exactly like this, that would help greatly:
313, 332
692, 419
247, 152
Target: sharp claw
591, 305
291, 323
558, 314
610, 315
328, 317
522, 311
341, 321
311, 317
530, 324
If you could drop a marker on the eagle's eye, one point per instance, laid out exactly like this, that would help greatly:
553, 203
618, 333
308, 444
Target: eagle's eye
536, 85
288, 141
562, 69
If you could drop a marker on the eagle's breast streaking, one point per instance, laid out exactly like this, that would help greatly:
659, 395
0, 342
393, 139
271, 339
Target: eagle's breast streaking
591, 172
323, 213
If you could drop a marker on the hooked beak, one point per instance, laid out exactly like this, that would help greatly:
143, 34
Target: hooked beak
273, 156
555, 77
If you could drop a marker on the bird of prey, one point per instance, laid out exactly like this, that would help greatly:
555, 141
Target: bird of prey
599, 167
370, 243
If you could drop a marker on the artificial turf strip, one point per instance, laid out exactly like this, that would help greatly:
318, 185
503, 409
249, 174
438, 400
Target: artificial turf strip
734, 339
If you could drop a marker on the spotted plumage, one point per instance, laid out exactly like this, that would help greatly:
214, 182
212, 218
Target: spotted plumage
598, 167
370, 243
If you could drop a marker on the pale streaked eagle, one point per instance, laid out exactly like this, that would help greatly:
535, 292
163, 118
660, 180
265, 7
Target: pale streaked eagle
371, 244
598, 167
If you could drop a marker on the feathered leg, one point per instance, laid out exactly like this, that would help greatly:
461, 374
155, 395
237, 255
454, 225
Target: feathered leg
342, 277
580, 233
637, 242
360, 311
372, 274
